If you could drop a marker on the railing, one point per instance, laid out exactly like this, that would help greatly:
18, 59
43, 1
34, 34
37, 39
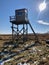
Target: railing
12, 18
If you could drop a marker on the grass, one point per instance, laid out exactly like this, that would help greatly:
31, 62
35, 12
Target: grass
40, 52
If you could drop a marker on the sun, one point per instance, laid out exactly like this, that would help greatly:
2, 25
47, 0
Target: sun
42, 6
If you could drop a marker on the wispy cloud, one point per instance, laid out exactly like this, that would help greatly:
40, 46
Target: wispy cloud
43, 22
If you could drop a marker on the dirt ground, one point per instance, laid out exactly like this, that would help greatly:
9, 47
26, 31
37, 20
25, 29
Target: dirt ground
34, 55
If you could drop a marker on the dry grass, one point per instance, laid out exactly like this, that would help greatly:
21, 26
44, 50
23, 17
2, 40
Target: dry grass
38, 54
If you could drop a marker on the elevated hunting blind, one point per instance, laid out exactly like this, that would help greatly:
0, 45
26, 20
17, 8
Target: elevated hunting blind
20, 18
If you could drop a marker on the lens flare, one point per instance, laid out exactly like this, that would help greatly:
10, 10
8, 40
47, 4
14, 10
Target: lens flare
42, 6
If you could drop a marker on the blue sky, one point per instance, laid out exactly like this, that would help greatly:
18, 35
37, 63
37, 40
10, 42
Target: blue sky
8, 7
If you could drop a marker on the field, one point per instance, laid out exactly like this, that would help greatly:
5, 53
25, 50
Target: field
8, 37
34, 54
